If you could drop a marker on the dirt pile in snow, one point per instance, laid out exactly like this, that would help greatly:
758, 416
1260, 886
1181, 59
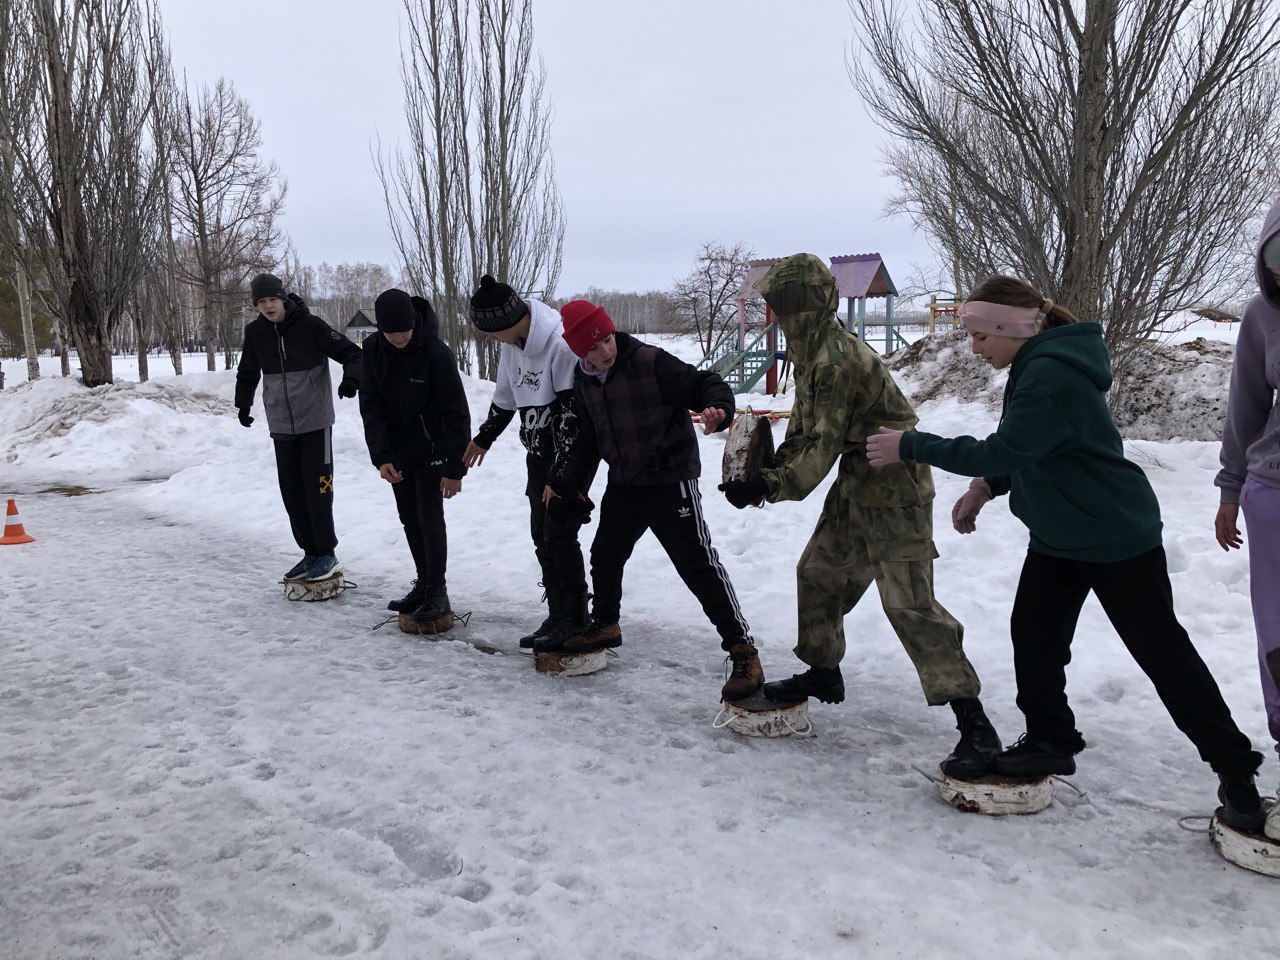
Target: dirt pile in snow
1174, 391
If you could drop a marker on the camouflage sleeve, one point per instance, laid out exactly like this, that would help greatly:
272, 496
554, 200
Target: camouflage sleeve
811, 450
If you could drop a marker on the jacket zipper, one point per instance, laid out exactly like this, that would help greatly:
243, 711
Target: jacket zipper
284, 379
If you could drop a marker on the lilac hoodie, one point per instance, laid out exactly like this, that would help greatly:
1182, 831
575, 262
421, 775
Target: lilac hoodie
1251, 435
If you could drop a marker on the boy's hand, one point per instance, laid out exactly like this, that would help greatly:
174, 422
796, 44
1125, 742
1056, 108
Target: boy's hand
450, 487
474, 454
571, 509
882, 449
389, 473
712, 417
245, 419
348, 387
1225, 527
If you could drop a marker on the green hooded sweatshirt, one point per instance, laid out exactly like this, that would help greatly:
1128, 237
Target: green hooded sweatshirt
1059, 452
843, 392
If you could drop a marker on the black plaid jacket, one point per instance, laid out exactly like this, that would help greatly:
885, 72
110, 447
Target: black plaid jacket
637, 421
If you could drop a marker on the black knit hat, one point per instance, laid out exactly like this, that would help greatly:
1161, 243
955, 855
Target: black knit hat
265, 285
394, 311
495, 306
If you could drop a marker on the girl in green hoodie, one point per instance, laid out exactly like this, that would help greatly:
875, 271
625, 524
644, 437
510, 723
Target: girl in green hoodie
1095, 526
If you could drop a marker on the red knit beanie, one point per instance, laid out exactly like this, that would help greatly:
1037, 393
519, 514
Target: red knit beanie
585, 325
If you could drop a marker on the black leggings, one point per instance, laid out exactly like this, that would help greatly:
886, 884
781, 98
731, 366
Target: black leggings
304, 467
1138, 600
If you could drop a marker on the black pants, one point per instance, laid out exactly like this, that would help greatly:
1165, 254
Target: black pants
674, 513
555, 542
1138, 600
421, 507
304, 467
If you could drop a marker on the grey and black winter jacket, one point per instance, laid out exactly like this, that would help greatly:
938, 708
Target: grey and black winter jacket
637, 420
292, 360
412, 400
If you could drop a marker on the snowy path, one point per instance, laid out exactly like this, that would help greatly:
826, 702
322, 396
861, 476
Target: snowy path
193, 768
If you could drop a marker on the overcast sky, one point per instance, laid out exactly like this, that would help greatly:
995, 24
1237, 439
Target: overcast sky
676, 121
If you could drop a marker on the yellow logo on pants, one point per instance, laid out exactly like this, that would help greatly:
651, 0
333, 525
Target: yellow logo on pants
326, 484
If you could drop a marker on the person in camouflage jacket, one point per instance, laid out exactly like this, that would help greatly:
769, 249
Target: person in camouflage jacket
876, 525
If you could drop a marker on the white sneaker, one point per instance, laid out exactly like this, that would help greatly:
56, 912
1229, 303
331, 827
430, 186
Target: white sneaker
1272, 827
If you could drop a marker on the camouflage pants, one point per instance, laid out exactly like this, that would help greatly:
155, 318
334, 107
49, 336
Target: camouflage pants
854, 545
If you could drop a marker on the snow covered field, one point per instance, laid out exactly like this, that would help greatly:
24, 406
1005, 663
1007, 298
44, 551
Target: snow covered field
190, 766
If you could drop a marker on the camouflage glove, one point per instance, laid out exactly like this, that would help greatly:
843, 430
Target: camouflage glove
744, 493
245, 419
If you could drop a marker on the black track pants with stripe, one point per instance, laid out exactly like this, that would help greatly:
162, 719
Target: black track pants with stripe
304, 466
674, 513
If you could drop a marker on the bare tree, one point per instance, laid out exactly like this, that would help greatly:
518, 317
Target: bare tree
339, 291
475, 191
226, 203
83, 177
705, 301
1112, 152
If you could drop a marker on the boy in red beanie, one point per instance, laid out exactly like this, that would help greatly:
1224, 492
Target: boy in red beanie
634, 400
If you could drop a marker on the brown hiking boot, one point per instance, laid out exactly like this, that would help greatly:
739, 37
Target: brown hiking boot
597, 636
746, 676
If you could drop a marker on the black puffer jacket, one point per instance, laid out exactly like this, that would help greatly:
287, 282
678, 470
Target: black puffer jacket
412, 401
292, 360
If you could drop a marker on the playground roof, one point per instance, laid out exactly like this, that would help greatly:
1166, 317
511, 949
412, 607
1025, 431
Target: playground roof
857, 275
755, 270
862, 275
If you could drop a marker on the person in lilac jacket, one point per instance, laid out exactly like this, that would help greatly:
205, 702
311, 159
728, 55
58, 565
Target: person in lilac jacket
1250, 474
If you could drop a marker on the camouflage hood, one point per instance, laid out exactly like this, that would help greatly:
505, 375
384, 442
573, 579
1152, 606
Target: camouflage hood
802, 293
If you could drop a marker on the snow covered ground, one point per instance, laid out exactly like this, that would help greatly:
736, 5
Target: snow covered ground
193, 767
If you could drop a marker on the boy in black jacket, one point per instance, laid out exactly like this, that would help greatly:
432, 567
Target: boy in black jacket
417, 424
634, 401
289, 349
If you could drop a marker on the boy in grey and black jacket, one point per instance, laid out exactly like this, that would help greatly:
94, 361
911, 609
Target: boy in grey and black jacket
289, 349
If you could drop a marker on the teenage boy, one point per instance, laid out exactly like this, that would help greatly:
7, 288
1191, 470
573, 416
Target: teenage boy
535, 380
289, 349
634, 402
416, 425
875, 526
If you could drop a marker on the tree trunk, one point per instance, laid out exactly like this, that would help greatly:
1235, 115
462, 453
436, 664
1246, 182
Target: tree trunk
140, 333
28, 331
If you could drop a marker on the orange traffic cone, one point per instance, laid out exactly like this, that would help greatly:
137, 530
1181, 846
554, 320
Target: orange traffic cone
13, 532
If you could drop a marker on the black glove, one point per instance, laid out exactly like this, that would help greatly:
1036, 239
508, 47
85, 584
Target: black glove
575, 508
743, 493
245, 419
348, 387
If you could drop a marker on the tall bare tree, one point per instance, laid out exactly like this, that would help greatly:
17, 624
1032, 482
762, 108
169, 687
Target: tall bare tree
1112, 152
226, 203
475, 191
706, 299
83, 177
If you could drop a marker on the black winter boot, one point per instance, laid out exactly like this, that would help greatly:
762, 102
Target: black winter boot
1241, 806
825, 683
555, 610
979, 742
574, 620
435, 615
411, 600
1038, 758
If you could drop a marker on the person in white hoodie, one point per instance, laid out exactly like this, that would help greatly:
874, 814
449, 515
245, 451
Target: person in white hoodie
1249, 480
535, 381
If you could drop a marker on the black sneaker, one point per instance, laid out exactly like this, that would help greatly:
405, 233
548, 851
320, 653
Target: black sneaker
1035, 758
979, 742
1241, 806
410, 601
824, 683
